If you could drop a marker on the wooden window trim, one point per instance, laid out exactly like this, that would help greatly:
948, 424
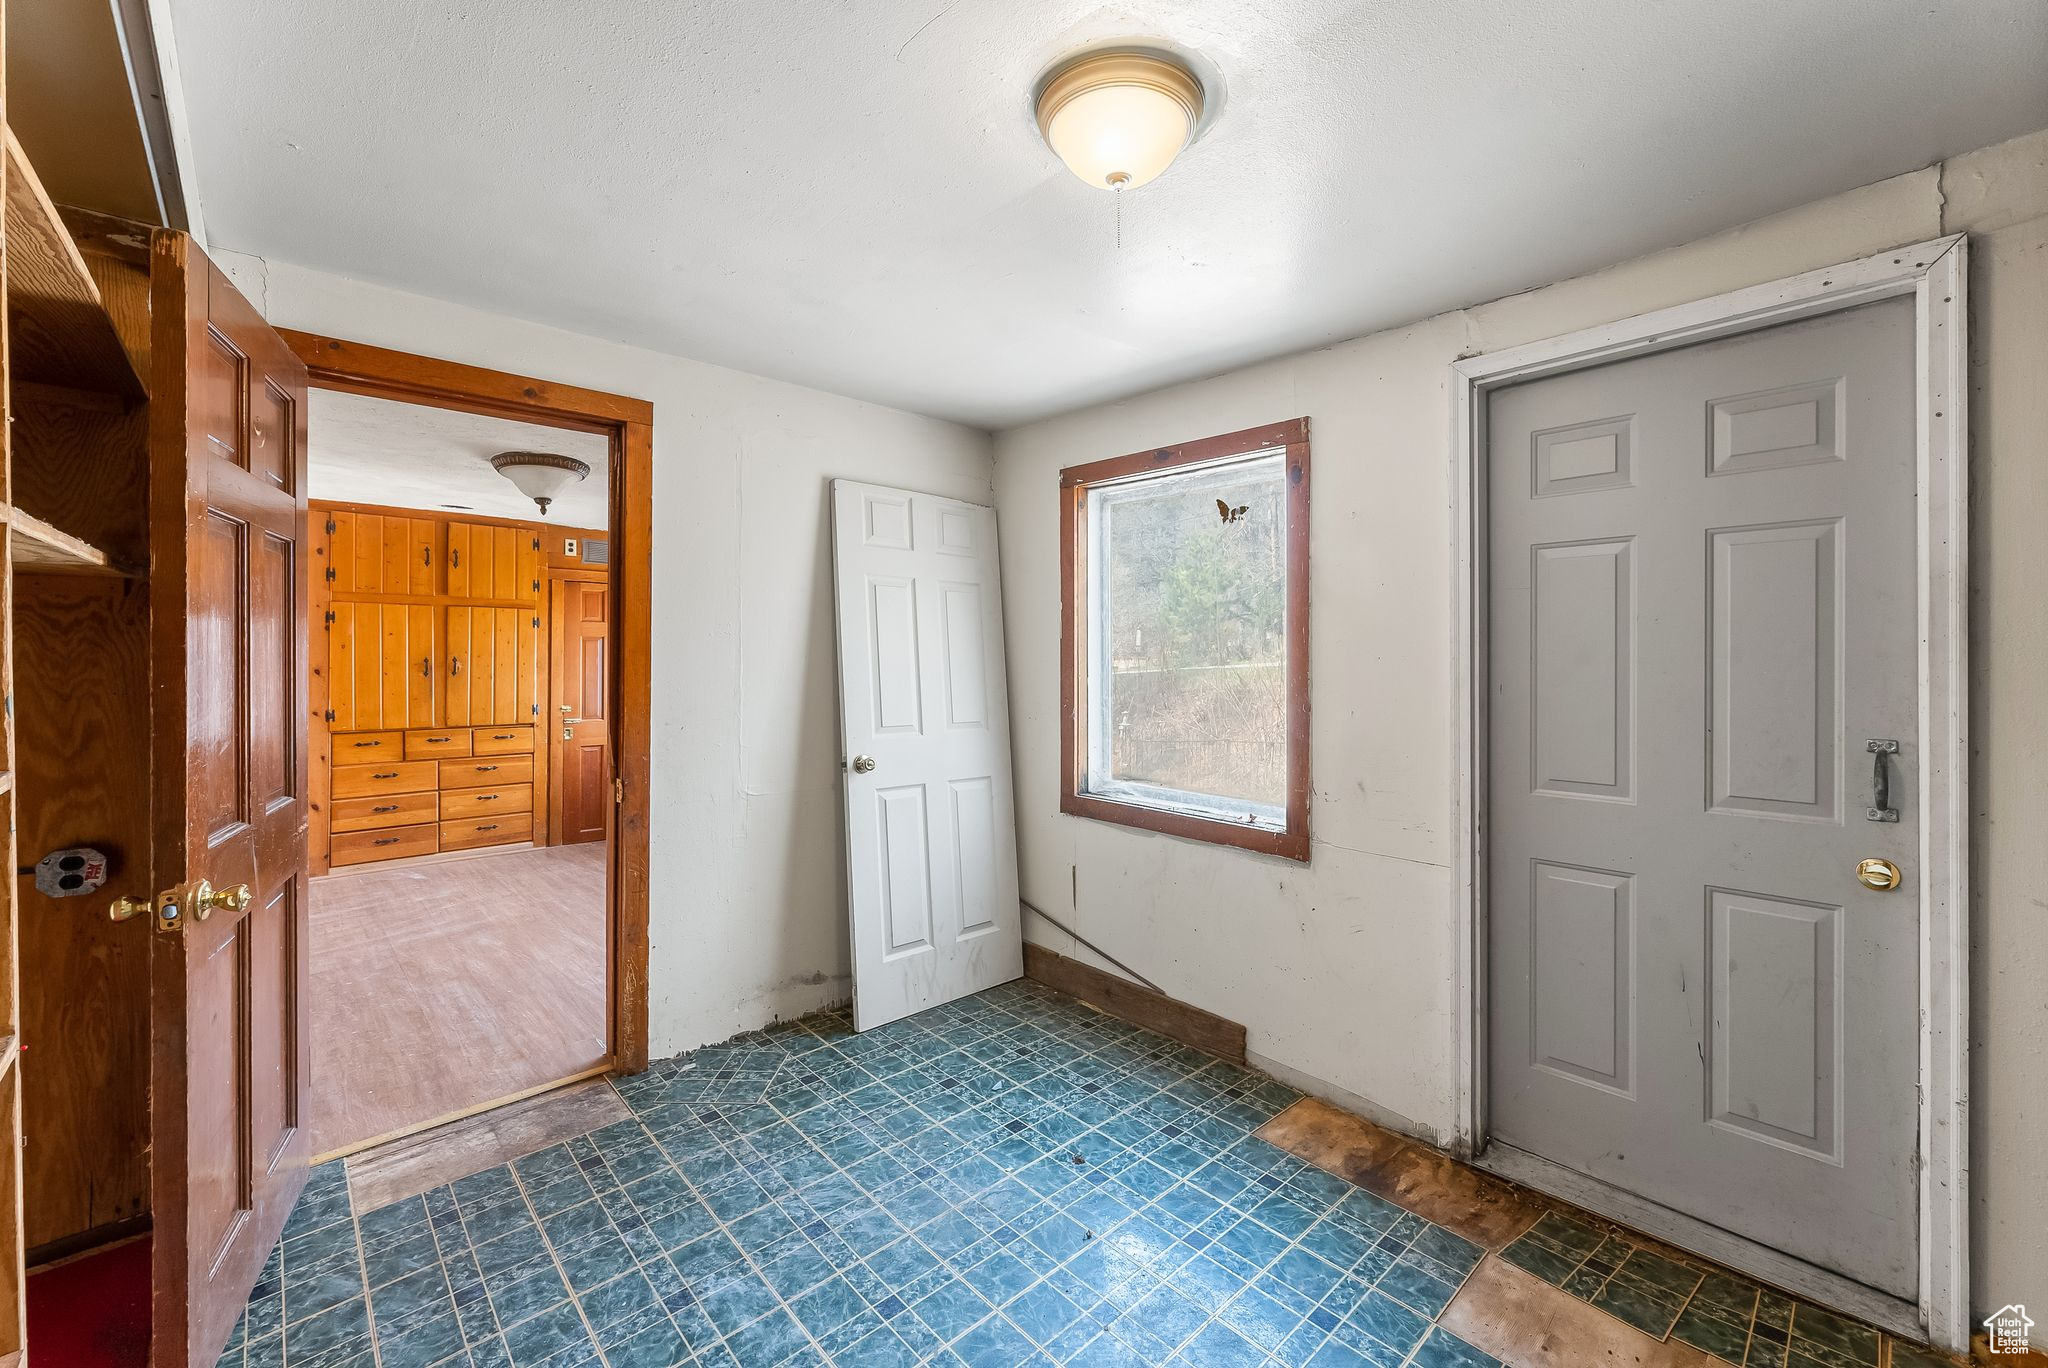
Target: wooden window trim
1075, 481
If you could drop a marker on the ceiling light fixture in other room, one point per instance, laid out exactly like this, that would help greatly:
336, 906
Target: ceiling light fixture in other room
540, 475
1118, 119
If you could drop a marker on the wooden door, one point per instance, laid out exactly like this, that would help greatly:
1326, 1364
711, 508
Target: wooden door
580, 798
229, 584
380, 553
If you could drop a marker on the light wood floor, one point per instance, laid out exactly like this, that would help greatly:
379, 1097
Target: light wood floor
438, 988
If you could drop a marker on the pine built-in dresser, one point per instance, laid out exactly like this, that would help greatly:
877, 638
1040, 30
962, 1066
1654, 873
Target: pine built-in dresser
429, 641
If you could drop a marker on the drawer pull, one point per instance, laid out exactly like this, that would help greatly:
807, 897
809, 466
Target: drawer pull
487, 826
388, 774
387, 840
437, 740
485, 769
388, 807
487, 797
360, 744
504, 736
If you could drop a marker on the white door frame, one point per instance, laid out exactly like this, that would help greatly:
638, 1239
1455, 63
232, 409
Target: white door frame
1934, 275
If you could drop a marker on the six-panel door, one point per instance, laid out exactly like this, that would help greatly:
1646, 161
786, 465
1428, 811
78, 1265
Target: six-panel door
931, 842
228, 1044
1702, 613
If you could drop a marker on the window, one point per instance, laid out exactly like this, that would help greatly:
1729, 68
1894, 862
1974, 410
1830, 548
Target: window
1184, 648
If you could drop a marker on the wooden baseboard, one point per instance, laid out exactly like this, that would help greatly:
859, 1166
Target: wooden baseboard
1191, 1026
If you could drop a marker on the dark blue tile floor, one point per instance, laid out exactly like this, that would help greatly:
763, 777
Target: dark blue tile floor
1005, 1181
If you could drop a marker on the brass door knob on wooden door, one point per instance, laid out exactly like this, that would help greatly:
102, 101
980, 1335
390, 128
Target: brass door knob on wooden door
204, 899
1881, 876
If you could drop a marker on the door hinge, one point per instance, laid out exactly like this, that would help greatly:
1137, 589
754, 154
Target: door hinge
536, 543
330, 714
330, 527
536, 586
536, 709
330, 615
618, 792
330, 574
536, 619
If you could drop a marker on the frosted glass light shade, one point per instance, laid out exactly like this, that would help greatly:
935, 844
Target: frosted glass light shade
1119, 119
540, 475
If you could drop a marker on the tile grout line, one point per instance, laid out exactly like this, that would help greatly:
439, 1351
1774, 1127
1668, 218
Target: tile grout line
554, 1257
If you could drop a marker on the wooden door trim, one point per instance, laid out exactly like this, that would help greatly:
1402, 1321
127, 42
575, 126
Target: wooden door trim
380, 372
1934, 275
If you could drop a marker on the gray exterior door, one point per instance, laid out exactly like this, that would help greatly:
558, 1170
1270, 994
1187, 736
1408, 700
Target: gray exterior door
1703, 608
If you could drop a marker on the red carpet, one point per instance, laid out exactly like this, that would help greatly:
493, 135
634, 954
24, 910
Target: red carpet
92, 1312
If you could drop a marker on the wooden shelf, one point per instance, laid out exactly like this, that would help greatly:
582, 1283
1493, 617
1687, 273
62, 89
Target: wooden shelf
39, 547
61, 333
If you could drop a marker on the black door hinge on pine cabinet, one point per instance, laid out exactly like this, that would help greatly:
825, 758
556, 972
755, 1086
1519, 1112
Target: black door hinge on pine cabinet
330, 714
330, 616
330, 527
330, 574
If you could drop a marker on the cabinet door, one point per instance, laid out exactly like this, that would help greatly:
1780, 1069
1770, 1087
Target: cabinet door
384, 669
491, 562
494, 660
375, 553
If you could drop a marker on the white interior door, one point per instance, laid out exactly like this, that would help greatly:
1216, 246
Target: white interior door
1703, 612
931, 837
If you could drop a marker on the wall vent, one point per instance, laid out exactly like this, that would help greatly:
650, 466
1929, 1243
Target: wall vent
596, 552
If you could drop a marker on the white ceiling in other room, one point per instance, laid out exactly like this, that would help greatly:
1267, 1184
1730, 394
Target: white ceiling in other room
854, 196
382, 451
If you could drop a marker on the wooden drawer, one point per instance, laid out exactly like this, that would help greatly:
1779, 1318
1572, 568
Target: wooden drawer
487, 831
397, 809
504, 798
503, 741
360, 748
432, 745
384, 843
490, 772
372, 781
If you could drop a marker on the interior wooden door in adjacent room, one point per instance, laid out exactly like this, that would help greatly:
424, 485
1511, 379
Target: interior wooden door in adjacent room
580, 668
229, 583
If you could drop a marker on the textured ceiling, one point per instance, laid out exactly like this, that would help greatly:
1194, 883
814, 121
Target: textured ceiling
853, 195
381, 451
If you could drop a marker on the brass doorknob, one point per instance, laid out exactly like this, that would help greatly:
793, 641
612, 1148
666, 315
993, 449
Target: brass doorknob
863, 764
206, 899
1880, 875
121, 909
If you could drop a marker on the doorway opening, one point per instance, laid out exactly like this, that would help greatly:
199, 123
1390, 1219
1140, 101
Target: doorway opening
477, 740
461, 771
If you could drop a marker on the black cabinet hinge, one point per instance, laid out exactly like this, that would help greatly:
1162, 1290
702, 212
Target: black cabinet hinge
330, 574
330, 615
330, 714
330, 527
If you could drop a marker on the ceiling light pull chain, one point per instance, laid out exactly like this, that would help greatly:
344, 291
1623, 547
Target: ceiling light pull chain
1119, 218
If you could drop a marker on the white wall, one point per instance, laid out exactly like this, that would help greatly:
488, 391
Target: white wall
748, 911
1342, 970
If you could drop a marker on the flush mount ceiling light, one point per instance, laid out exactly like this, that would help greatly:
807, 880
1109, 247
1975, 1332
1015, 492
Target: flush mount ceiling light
1118, 119
540, 475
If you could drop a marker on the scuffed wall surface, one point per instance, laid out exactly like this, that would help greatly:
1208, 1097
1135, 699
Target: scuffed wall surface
1342, 971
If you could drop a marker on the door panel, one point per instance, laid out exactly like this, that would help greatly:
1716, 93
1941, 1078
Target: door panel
494, 667
931, 836
581, 801
229, 594
383, 666
1691, 997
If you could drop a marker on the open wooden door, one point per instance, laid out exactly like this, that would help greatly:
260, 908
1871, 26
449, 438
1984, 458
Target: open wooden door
229, 583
